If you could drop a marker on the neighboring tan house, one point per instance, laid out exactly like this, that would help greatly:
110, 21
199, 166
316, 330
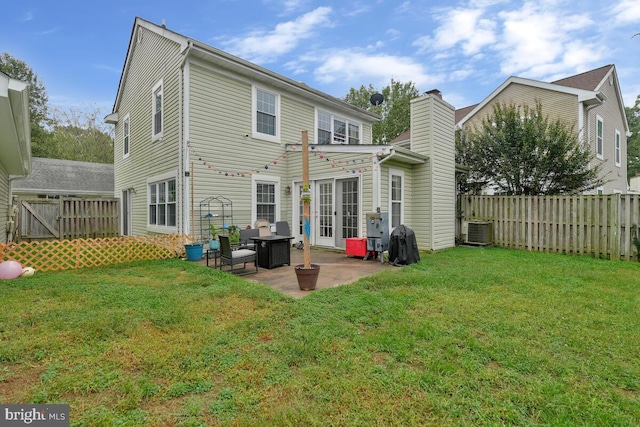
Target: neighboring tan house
15, 147
195, 125
55, 178
591, 102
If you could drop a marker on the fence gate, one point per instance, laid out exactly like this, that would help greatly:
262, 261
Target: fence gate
45, 219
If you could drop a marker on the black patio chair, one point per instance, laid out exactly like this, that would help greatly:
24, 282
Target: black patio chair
245, 238
239, 256
282, 228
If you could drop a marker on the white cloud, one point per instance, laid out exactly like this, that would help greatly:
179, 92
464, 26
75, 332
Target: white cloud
265, 46
627, 12
26, 17
460, 26
538, 38
357, 68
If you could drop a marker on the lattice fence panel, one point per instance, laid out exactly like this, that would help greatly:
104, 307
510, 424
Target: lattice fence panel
52, 255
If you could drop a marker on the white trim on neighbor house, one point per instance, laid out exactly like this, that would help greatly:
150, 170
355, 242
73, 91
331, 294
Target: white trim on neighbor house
126, 136
157, 90
164, 177
599, 137
254, 115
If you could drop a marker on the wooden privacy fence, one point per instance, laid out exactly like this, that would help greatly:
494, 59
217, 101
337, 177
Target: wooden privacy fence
599, 226
68, 218
52, 255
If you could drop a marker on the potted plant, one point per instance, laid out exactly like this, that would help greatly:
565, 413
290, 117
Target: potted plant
214, 243
193, 251
234, 235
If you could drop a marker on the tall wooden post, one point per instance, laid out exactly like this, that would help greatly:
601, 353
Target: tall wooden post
305, 199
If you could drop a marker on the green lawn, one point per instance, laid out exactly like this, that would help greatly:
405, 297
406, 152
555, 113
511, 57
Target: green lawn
467, 337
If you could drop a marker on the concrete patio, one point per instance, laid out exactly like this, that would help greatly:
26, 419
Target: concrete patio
335, 269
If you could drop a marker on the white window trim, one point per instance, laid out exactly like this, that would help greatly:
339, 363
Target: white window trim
126, 153
254, 121
618, 148
347, 121
163, 229
268, 179
400, 173
599, 155
157, 136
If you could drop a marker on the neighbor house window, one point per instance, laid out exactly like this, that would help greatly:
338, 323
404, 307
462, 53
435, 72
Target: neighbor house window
126, 131
396, 197
618, 152
266, 110
157, 111
599, 137
162, 203
334, 129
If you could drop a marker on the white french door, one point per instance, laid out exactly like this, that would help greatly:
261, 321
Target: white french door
324, 213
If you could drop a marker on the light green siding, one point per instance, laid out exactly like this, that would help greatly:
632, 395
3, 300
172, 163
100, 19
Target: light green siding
153, 58
432, 134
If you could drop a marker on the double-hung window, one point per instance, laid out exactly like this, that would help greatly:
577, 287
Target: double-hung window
396, 197
618, 149
599, 137
162, 203
334, 129
126, 136
266, 114
157, 108
266, 201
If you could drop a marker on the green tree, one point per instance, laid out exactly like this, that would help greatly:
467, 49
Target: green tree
395, 110
520, 151
633, 142
82, 135
38, 104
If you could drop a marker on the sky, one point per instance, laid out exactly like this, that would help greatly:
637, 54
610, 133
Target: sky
464, 48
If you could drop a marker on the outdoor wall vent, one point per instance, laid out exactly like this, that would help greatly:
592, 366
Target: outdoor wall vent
479, 233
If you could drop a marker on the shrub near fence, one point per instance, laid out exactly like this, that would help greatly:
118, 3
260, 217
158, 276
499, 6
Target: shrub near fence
52, 255
599, 226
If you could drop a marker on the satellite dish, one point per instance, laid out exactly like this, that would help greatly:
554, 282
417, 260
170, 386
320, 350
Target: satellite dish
376, 99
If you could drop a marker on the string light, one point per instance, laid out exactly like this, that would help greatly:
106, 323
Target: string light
343, 165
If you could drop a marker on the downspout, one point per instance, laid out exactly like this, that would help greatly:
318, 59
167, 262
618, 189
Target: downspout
185, 224
378, 187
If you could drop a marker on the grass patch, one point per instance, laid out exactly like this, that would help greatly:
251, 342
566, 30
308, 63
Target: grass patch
466, 337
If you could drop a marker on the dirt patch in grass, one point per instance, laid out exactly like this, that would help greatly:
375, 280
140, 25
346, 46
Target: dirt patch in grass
17, 381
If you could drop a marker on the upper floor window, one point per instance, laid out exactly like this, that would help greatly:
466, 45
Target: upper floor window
126, 136
618, 152
157, 111
599, 137
266, 109
162, 203
334, 129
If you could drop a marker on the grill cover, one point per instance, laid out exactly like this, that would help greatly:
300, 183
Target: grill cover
403, 248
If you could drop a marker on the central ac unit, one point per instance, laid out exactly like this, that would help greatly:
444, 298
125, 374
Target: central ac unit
479, 233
